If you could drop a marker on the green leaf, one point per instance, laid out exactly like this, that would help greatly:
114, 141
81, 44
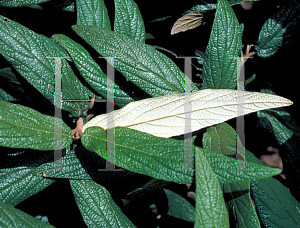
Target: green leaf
12, 217
80, 164
180, 207
279, 28
141, 153
149, 69
237, 195
226, 169
23, 127
272, 124
29, 54
128, 20
19, 176
218, 137
210, 206
224, 47
4, 96
91, 71
270, 38
97, 206
275, 204
19, 3
92, 12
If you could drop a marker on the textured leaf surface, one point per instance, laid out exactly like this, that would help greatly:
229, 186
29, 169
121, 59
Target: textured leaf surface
80, 164
279, 28
165, 116
220, 66
97, 206
217, 139
92, 12
141, 64
189, 21
91, 71
128, 20
275, 204
180, 207
11, 217
140, 152
226, 169
210, 206
23, 127
236, 195
19, 176
272, 124
19, 3
270, 38
28, 53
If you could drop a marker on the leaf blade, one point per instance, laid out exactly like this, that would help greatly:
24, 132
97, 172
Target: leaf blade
189, 21
92, 12
162, 158
23, 127
210, 206
97, 206
12, 217
128, 20
221, 64
91, 71
32, 56
141, 64
165, 116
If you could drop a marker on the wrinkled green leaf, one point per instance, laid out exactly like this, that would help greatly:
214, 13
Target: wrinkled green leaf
97, 206
226, 169
91, 71
28, 53
12, 217
236, 195
180, 207
210, 206
140, 152
149, 69
224, 47
270, 38
275, 204
279, 28
272, 124
92, 12
19, 3
23, 127
218, 137
80, 164
19, 176
128, 20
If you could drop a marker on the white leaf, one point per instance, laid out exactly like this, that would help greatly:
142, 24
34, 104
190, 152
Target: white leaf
167, 116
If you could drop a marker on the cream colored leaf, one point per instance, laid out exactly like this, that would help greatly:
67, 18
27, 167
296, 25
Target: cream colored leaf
188, 21
167, 116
